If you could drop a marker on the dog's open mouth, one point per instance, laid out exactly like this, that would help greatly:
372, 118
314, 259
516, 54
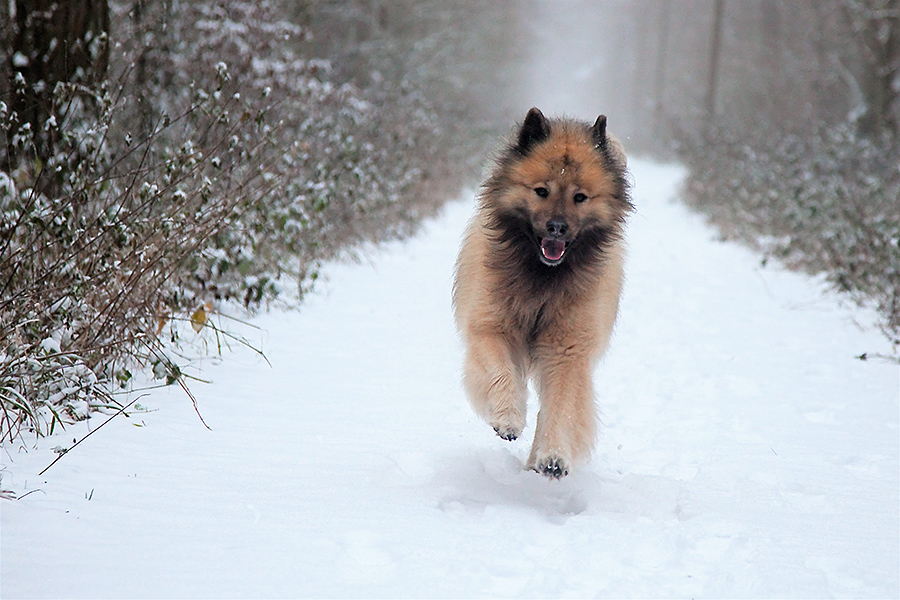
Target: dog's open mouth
552, 250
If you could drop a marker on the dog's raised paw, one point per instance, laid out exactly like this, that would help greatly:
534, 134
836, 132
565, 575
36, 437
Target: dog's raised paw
507, 433
552, 467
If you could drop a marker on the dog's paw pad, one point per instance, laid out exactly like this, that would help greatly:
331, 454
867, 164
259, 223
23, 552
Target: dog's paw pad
554, 468
507, 433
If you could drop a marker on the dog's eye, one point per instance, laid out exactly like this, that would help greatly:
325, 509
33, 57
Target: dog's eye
579, 198
542, 192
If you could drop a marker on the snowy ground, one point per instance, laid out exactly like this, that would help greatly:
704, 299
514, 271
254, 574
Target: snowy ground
744, 451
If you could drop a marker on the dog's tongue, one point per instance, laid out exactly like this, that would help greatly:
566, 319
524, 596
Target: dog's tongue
552, 249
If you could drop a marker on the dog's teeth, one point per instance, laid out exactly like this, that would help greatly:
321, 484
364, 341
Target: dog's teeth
552, 249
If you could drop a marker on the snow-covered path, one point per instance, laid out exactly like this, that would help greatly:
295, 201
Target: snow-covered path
744, 451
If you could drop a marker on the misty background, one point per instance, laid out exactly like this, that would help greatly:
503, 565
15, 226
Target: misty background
163, 159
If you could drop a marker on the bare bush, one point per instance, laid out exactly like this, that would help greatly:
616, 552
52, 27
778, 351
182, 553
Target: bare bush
217, 163
90, 274
825, 201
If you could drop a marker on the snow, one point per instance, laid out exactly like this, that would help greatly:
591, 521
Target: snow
744, 450
20, 60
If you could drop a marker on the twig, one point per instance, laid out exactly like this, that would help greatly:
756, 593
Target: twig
116, 414
179, 378
31, 492
231, 336
193, 400
885, 357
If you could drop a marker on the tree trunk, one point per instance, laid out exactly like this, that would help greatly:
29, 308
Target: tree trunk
54, 41
886, 48
773, 60
876, 23
659, 75
715, 52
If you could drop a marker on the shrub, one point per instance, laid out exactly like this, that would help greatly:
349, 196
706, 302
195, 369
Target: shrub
825, 201
90, 273
215, 166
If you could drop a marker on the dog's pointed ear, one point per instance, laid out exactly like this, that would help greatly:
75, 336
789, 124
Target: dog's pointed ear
534, 130
598, 131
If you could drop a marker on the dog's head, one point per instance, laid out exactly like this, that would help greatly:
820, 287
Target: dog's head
561, 185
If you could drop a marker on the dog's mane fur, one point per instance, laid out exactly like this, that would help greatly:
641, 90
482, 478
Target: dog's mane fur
513, 239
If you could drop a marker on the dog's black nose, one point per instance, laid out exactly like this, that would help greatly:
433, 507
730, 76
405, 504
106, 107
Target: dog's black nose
557, 228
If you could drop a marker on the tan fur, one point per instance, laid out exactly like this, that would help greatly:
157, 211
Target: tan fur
554, 337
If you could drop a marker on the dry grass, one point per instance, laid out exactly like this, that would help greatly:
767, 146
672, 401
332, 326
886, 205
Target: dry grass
93, 259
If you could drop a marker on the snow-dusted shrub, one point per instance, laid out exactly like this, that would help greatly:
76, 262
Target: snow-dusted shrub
348, 162
96, 254
826, 200
215, 163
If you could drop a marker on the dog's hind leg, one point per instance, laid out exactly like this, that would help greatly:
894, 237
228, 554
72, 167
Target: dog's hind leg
495, 383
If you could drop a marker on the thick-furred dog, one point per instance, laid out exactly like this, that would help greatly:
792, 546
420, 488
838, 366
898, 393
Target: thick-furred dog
538, 280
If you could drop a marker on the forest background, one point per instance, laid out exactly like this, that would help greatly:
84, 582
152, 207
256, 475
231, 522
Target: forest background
165, 163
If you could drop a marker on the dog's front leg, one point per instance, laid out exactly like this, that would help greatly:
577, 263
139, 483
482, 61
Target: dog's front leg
566, 423
495, 381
